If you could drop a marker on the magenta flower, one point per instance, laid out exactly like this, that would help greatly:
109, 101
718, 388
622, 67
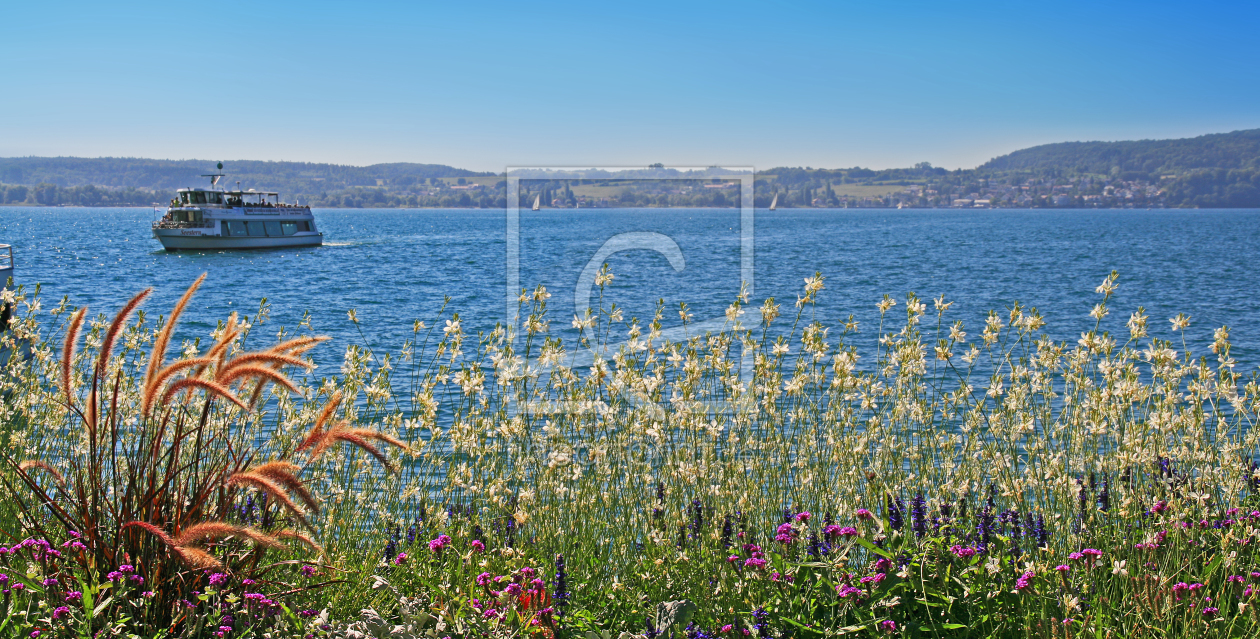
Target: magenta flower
1024, 582
864, 514
438, 544
478, 546
218, 579
845, 591
398, 561
1063, 568
803, 516
963, 552
889, 626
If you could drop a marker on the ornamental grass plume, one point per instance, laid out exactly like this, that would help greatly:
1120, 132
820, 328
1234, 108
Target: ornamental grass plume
164, 458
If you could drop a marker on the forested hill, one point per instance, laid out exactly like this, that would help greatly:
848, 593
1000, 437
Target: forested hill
168, 175
1141, 158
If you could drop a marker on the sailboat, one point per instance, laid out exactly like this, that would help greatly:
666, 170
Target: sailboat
536, 199
774, 204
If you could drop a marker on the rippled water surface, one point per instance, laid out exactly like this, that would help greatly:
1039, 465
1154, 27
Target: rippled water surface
394, 266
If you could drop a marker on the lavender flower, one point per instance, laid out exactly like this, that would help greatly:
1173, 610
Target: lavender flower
895, 509
560, 596
918, 515
760, 617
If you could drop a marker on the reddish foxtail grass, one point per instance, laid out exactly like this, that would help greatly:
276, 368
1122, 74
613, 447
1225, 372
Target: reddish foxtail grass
161, 457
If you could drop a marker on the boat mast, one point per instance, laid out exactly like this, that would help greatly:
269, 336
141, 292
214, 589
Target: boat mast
215, 177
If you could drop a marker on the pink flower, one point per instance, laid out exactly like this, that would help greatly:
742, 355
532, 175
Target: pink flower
477, 546
438, 544
727, 628
803, 516
845, 591
889, 626
1024, 582
755, 562
399, 560
1063, 568
963, 552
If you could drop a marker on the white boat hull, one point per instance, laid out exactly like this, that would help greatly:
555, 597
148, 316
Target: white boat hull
183, 240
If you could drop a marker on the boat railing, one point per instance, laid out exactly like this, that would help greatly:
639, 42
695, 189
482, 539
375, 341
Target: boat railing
6, 257
170, 224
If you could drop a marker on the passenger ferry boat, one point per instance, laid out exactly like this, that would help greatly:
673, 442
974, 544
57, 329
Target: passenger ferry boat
213, 219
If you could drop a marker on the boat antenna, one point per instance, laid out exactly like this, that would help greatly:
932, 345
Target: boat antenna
215, 177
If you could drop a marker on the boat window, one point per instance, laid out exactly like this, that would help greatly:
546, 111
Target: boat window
273, 229
196, 216
183, 198
215, 198
256, 229
235, 229
289, 228
303, 226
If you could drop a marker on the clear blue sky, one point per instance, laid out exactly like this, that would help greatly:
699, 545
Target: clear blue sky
484, 85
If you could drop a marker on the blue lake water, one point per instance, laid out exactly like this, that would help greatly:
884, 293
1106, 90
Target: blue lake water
395, 266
